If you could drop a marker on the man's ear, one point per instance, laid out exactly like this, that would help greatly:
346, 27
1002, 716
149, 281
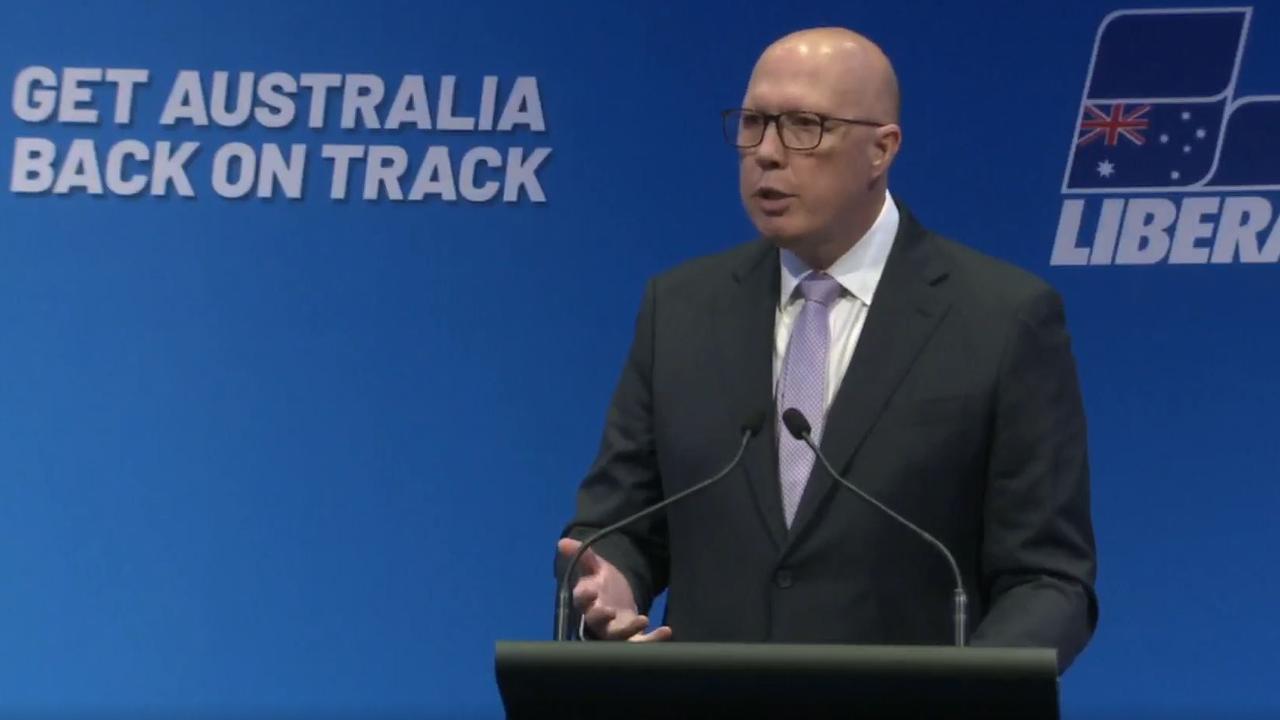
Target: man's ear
885, 148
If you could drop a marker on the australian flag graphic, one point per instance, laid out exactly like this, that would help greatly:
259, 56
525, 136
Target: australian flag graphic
1159, 110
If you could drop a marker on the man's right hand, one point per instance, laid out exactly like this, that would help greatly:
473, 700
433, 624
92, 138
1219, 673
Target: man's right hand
603, 595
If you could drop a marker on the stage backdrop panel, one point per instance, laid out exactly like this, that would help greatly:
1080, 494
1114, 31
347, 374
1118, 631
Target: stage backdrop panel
310, 313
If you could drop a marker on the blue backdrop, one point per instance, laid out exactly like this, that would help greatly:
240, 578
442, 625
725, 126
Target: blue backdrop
311, 455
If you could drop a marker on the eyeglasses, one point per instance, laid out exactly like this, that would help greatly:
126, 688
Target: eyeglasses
797, 129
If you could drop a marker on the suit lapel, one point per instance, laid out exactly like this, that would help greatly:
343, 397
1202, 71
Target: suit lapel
907, 308
746, 321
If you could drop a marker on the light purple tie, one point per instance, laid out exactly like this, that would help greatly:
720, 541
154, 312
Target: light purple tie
804, 385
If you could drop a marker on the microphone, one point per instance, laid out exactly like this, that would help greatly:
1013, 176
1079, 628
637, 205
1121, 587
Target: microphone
749, 430
800, 429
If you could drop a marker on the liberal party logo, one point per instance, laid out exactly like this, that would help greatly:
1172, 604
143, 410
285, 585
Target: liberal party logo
1167, 163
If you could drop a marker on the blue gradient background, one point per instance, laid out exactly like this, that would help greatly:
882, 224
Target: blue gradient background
311, 456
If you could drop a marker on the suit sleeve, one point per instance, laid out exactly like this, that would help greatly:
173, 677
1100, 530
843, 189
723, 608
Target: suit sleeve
624, 477
1038, 556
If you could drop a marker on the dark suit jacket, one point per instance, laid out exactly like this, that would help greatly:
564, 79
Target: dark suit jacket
960, 409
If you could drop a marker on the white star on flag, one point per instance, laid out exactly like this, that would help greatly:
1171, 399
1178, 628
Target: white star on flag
1106, 169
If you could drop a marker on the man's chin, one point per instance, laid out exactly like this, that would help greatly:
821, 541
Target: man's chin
782, 237
786, 232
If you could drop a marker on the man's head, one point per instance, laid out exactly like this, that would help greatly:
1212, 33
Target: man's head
818, 202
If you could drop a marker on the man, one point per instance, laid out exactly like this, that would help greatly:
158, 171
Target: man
937, 379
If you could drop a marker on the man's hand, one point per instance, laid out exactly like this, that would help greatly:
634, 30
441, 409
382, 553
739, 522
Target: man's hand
604, 596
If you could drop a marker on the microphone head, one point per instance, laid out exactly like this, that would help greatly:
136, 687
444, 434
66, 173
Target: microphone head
753, 423
796, 424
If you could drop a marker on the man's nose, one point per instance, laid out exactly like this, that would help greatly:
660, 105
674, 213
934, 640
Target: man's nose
770, 153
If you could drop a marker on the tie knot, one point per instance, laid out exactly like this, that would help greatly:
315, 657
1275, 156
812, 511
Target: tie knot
820, 288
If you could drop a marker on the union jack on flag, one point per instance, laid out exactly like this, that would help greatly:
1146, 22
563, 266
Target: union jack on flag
1113, 125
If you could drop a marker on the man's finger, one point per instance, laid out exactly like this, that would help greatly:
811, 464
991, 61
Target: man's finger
585, 593
600, 617
660, 634
590, 562
625, 625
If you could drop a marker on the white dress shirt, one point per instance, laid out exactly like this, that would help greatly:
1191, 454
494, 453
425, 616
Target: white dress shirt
858, 271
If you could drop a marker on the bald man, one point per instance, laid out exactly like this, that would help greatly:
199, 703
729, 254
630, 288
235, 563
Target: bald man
938, 380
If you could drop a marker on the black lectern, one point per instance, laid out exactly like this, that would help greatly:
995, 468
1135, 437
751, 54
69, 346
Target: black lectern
699, 680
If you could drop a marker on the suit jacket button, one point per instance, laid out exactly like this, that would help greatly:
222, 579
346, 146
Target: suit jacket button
782, 578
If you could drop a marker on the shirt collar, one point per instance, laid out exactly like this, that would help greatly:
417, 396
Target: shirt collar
858, 271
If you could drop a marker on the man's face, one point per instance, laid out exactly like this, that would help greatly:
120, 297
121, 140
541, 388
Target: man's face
801, 197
